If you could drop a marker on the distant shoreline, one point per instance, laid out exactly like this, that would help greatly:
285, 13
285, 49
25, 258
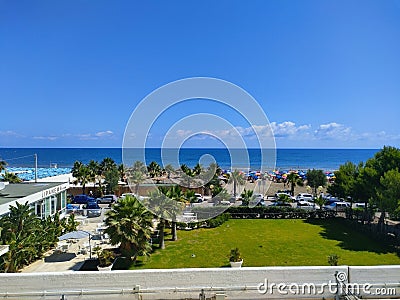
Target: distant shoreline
297, 159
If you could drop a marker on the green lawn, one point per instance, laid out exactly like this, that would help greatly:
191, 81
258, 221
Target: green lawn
272, 243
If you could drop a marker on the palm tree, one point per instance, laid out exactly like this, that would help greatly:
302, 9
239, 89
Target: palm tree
238, 179
294, 179
135, 178
75, 169
320, 202
11, 178
122, 172
129, 224
139, 166
82, 174
154, 169
174, 193
20, 230
247, 197
169, 169
95, 174
164, 208
197, 169
107, 164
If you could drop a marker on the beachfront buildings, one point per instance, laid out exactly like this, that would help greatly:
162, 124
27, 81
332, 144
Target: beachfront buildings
46, 198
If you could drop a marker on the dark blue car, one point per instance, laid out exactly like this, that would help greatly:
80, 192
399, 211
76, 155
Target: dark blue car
82, 199
93, 209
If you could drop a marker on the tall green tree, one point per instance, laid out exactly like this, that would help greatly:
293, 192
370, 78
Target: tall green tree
129, 224
96, 175
237, 178
345, 181
247, 197
154, 169
315, 179
169, 169
20, 230
388, 198
82, 174
122, 172
135, 178
164, 208
175, 193
111, 178
294, 180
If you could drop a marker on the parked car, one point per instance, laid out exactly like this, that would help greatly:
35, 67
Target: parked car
304, 197
332, 200
337, 206
307, 205
279, 203
108, 199
93, 209
225, 202
199, 198
82, 199
257, 199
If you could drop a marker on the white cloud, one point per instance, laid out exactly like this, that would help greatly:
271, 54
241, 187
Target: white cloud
47, 138
10, 133
107, 133
334, 131
288, 129
183, 133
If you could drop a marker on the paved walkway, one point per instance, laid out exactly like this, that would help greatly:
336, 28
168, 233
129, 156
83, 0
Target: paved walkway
73, 258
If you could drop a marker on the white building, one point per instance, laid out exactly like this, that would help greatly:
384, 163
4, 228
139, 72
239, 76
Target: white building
46, 198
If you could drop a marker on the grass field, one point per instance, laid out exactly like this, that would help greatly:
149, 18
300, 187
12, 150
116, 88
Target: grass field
272, 243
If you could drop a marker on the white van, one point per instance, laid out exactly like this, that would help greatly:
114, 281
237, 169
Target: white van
304, 197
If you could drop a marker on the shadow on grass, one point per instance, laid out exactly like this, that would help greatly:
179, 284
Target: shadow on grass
123, 263
350, 236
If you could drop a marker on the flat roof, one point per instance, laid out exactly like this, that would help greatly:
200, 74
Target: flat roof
15, 191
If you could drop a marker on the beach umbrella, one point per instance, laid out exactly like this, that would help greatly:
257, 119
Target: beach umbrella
79, 234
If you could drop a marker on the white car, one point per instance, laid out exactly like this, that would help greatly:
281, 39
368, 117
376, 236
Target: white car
199, 198
307, 205
304, 197
337, 206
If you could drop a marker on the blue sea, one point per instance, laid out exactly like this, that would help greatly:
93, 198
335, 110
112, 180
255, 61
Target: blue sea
299, 159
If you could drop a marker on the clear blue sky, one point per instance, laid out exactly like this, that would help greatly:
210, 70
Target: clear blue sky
326, 73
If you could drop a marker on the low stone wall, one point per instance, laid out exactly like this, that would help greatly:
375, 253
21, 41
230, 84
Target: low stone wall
244, 283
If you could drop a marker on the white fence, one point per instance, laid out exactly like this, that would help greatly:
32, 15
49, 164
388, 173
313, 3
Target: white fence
220, 283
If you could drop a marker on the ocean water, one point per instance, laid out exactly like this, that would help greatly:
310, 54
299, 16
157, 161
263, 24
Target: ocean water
300, 159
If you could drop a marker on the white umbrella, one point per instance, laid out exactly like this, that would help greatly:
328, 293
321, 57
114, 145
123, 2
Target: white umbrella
79, 234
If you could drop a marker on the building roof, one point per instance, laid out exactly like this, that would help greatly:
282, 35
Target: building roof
15, 191
28, 193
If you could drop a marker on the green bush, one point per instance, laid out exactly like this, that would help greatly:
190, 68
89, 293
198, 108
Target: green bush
218, 220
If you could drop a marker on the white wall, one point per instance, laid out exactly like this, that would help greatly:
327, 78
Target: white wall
187, 283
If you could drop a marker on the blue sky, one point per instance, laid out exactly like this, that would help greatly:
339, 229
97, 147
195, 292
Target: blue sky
326, 73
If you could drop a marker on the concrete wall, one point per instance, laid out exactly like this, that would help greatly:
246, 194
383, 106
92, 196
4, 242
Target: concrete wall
244, 283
